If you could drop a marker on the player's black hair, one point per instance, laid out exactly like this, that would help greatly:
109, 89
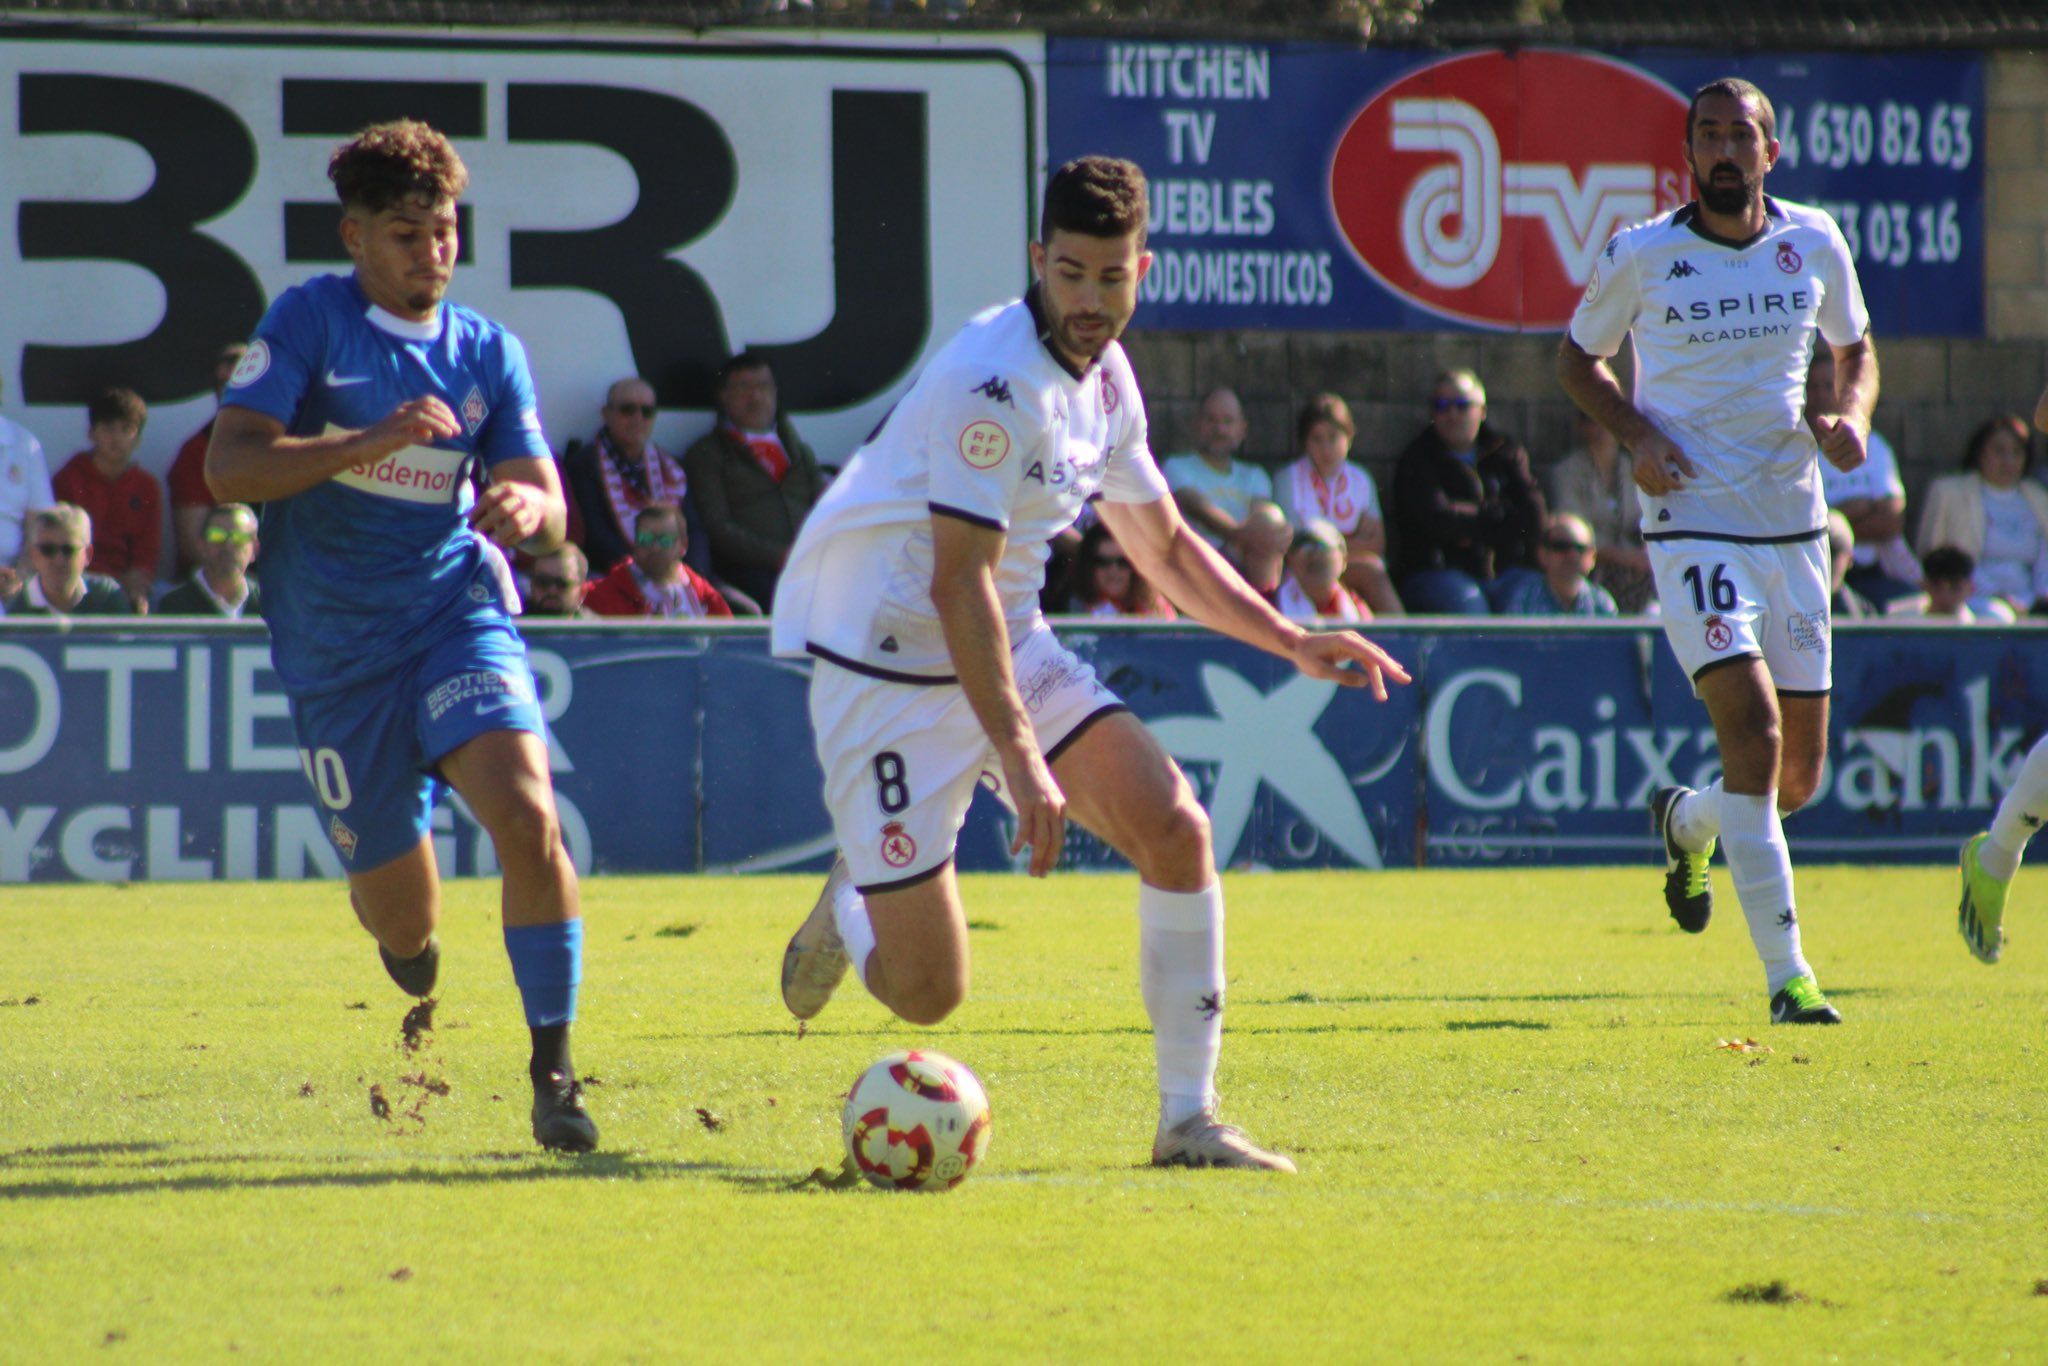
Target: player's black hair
116, 405
749, 359
1947, 564
1098, 196
403, 161
1973, 453
1323, 408
1736, 88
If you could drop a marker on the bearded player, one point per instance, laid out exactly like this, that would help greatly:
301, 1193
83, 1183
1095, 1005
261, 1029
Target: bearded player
1726, 298
914, 585
354, 418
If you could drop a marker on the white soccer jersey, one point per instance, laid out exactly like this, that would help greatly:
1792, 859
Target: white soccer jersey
997, 431
1723, 334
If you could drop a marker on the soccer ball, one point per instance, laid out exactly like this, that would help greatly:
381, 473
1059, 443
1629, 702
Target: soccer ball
916, 1121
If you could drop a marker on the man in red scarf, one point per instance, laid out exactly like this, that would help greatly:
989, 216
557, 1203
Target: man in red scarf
753, 477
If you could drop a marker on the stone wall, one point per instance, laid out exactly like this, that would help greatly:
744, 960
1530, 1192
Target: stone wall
1936, 390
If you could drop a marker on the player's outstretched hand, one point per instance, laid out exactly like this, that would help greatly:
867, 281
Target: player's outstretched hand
1348, 658
1041, 810
1661, 465
415, 422
507, 513
1842, 440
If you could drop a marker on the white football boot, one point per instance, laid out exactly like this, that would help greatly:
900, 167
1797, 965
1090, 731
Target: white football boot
815, 961
1201, 1141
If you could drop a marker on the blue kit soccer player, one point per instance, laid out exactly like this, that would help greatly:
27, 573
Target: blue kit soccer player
356, 418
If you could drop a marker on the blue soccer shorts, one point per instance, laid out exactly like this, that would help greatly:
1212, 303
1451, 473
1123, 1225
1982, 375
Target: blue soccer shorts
371, 751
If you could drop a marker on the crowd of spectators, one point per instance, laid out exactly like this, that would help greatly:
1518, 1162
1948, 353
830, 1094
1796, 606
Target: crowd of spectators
1472, 525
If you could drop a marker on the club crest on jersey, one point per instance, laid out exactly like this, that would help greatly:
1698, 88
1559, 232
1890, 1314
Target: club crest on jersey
474, 410
253, 365
1109, 394
898, 848
1593, 285
1788, 258
343, 837
1719, 637
984, 444
995, 389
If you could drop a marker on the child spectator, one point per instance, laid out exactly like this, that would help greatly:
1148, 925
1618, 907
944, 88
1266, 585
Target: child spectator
1110, 585
1314, 588
1566, 553
1951, 592
1262, 548
1324, 483
123, 501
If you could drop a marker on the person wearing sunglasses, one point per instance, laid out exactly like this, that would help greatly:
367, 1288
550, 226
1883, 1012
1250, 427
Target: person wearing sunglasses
1110, 585
220, 586
656, 582
59, 549
557, 585
621, 470
1466, 510
1564, 588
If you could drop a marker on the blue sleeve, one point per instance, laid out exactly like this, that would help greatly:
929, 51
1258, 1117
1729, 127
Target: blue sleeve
512, 431
283, 359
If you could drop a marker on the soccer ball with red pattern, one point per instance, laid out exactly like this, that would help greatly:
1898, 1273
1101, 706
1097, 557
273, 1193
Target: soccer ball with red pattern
916, 1121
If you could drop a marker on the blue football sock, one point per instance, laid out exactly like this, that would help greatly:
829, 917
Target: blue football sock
547, 963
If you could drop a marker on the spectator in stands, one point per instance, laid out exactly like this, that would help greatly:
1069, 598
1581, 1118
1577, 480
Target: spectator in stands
1314, 587
1467, 512
620, 471
1262, 548
185, 481
123, 499
753, 477
24, 487
1110, 585
220, 586
1596, 481
60, 548
558, 583
1563, 589
1951, 591
1871, 496
1996, 515
655, 582
1844, 602
1213, 487
1324, 483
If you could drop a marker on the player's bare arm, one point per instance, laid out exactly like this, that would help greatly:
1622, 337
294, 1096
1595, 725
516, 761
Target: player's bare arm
1201, 582
1845, 433
523, 507
1661, 465
964, 559
252, 460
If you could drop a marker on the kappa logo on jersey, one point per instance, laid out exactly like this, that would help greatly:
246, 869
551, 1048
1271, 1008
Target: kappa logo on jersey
1681, 269
898, 848
474, 410
1788, 258
1428, 199
996, 389
254, 365
1719, 637
984, 444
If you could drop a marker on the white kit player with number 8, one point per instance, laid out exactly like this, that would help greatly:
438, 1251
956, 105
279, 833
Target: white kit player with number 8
1725, 298
914, 585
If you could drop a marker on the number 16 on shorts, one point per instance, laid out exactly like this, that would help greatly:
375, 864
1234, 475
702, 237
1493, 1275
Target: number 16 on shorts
1724, 601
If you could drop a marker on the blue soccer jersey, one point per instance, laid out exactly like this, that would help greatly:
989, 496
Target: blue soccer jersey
366, 570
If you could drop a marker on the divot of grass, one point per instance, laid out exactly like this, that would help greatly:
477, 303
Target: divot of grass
983, 925
1765, 1292
677, 931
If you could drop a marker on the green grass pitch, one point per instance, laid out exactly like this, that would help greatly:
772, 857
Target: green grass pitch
1518, 1137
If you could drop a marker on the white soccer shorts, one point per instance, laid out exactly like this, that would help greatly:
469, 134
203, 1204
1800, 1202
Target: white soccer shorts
1722, 601
901, 760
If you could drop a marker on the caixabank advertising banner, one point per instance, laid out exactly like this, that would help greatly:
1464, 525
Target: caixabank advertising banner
1299, 185
160, 752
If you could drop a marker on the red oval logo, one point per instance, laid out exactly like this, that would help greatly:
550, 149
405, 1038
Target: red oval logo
1483, 187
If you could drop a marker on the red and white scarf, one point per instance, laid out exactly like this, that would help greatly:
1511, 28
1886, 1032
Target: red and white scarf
1342, 497
766, 448
628, 486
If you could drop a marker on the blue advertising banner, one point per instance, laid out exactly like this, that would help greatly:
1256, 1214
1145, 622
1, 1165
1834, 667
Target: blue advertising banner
166, 753
1299, 185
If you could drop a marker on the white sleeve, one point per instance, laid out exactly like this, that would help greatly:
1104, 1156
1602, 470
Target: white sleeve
40, 494
977, 444
1130, 475
1613, 298
1843, 317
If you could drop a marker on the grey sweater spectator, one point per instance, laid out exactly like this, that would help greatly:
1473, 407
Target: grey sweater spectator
753, 478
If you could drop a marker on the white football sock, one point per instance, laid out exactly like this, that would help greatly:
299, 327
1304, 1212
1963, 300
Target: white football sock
1698, 817
2019, 815
1753, 841
1180, 966
856, 931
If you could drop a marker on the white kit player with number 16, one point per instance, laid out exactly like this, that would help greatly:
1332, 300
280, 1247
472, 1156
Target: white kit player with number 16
914, 585
1726, 298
